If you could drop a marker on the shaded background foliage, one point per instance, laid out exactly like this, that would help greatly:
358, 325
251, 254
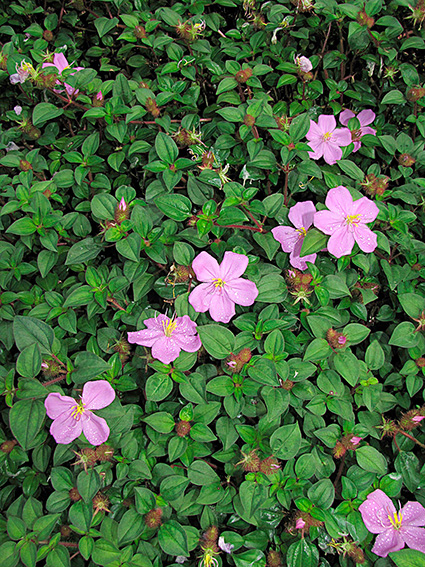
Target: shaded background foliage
202, 132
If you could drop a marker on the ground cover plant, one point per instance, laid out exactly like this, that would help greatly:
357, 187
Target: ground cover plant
212, 301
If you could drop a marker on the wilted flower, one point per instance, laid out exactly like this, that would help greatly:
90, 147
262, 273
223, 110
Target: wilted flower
222, 285
61, 63
226, 547
355, 440
301, 215
11, 147
23, 71
72, 417
17, 109
346, 222
395, 529
326, 140
300, 524
167, 337
303, 63
180, 559
365, 117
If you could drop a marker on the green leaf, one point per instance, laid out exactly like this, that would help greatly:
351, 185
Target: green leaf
351, 169
45, 111
26, 418
79, 297
87, 366
375, 357
303, 554
317, 350
22, 227
393, 97
313, 242
176, 207
29, 361
285, 442
130, 527
166, 148
404, 335
29, 330
225, 85
371, 460
83, 251
201, 474
408, 558
264, 372
217, 340
172, 539
356, 333
130, 247
161, 421
105, 25
88, 484
299, 127
158, 387
412, 303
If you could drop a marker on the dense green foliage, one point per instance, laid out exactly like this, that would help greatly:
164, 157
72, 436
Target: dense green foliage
200, 127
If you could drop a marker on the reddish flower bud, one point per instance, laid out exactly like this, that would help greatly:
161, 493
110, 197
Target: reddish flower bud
152, 107
269, 466
100, 503
74, 494
406, 160
274, 559
153, 518
243, 75
415, 93
139, 32
48, 35
339, 450
250, 461
365, 20
65, 531
249, 120
183, 428
104, 453
24, 165
420, 362
7, 446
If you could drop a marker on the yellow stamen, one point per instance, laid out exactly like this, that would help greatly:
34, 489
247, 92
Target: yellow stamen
77, 411
353, 219
218, 282
396, 520
327, 136
302, 231
169, 327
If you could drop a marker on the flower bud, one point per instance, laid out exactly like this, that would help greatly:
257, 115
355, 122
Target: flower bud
152, 107
104, 453
74, 494
415, 93
249, 120
274, 559
335, 339
7, 446
100, 503
269, 466
243, 75
121, 212
364, 20
339, 450
48, 35
210, 536
283, 122
24, 165
65, 531
139, 32
250, 461
153, 518
183, 428
406, 160
420, 362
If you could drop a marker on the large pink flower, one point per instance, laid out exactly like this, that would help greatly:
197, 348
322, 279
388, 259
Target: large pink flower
301, 216
61, 63
167, 337
395, 529
223, 287
365, 117
72, 417
346, 222
325, 139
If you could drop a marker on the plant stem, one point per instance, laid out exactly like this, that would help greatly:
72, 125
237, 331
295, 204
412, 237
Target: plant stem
115, 302
58, 379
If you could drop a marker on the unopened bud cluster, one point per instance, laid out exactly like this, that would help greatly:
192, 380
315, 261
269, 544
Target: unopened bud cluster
236, 361
375, 185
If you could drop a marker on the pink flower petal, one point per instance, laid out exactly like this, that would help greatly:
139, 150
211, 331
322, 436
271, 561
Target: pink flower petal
331, 153
233, 266
366, 117
375, 511
318, 148
301, 215
185, 325
342, 137
205, 267
341, 242
354, 440
60, 61
95, 428
300, 262
188, 343
222, 308
327, 123
242, 292
314, 132
166, 349
339, 200
200, 298
56, 405
345, 116
365, 238
145, 337
366, 208
414, 537
156, 323
357, 146
65, 428
387, 542
299, 524
328, 221
97, 394
368, 130
287, 236
413, 514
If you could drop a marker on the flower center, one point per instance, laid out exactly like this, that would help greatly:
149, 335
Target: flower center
78, 410
396, 520
169, 327
352, 220
218, 282
302, 231
327, 136
356, 135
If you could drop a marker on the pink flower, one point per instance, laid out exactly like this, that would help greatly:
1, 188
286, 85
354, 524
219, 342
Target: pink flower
167, 337
222, 285
301, 216
72, 417
325, 139
122, 206
365, 117
342, 340
61, 63
226, 547
299, 524
355, 440
346, 222
395, 529
17, 109
418, 418
303, 63
23, 71
99, 95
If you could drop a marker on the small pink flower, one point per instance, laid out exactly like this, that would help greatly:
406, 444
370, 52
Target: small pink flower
231, 363
44, 366
18, 110
303, 63
167, 337
61, 63
355, 440
342, 340
72, 417
346, 222
301, 216
325, 139
99, 95
300, 524
365, 117
23, 71
122, 206
222, 285
418, 418
395, 529
226, 547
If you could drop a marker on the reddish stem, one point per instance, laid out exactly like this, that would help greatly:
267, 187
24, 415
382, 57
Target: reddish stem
242, 227
410, 437
115, 302
58, 379
57, 360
